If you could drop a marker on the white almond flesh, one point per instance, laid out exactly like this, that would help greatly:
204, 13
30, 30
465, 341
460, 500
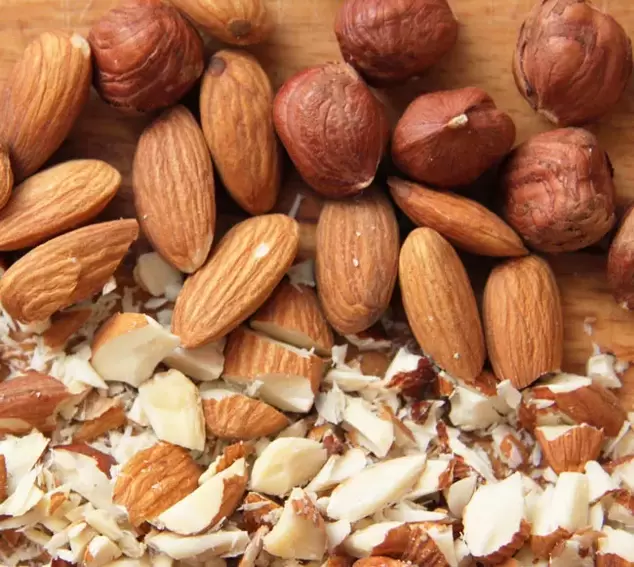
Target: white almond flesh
600, 368
204, 363
336, 533
618, 543
350, 379
24, 498
374, 488
331, 405
472, 410
596, 517
101, 551
300, 533
20, 456
173, 407
437, 475
157, 277
222, 543
459, 494
621, 510
129, 346
442, 535
363, 541
286, 463
375, 434
570, 502
409, 512
403, 362
337, 469
624, 473
600, 483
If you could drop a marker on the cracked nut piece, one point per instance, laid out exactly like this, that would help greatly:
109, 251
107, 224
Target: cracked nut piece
204, 363
146, 55
569, 447
621, 262
225, 543
389, 42
615, 548
336, 151
451, 138
572, 62
558, 192
259, 511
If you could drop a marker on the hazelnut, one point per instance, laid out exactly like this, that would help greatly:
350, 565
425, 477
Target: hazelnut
389, 42
451, 138
572, 61
147, 56
558, 191
621, 262
334, 129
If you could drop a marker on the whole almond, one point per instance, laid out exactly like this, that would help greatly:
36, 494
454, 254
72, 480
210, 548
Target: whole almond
65, 270
46, 90
440, 304
357, 260
55, 200
523, 320
174, 190
6, 176
241, 273
465, 223
236, 111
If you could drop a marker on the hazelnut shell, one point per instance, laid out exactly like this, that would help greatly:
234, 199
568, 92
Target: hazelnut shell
621, 262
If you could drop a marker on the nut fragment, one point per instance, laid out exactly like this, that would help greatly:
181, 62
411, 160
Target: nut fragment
615, 548
258, 511
569, 448
111, 419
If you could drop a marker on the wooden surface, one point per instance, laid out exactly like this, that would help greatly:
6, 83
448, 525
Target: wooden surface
303, 37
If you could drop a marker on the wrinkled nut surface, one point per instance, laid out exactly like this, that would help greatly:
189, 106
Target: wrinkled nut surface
572, 62
333, 128
6, 176
389, 42
558, 192
621, 262
146, 55
451, 138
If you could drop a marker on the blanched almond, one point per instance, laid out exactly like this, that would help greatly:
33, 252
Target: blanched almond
569, 448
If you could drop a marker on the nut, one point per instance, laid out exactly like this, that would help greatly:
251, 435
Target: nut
621, 262
336, 151
558, 191
569, 447
111, 419
6, 177
572, 61
146, 55
451, 138
389, 42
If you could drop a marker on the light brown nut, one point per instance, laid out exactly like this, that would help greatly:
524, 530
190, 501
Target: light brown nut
6, 176
523, 321
567, 448
440, 304
174, 191
112, 419
241, 273
63, 326
46, 90
236, 112
258, 510
621, 262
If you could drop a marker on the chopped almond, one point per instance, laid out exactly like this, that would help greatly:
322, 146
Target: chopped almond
409, 373
204, 363
569, 447
258, 511
337, 469
437, 475
375, 433
112, 419
615, 548
459, 494
100, 551
215, 544
621, 510
252, 551
157, 277
63, 326
600, 483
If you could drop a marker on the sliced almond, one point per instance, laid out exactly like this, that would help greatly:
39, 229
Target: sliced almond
157, 277
569, 447
215, 544
111, 419
204, 363
259, 511
375, 433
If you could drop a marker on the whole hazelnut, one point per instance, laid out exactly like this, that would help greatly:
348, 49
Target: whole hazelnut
451, 138
621, 262
146, 55
572, 61
389, 42
558, 192
333, 128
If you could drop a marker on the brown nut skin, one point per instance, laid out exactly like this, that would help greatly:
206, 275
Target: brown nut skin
450, 138
333, 128
389, 42
146, 55
572, 61
558, 192
621, 262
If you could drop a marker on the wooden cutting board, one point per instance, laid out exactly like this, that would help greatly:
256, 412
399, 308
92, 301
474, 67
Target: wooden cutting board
304, 37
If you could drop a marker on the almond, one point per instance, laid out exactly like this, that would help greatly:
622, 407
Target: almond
6, 177
100, 459
154, 480
204, 363
258, 511
65, 270
440, 304
615, 548
46, 90
241, 273
112, 419
174, 190
236, 111
223, 543
523, 321
464, 222
63, 326
356, 261
293, 315
569, 447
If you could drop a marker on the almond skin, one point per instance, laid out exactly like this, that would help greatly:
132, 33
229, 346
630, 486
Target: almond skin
356, 260
241, 273
65, 270
440, 304
46, 90
523, 321
56, 200
6, 177
236, 105
621, 262
465, 223
572, 450
174, 189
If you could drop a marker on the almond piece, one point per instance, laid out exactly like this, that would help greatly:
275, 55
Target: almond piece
129, 346
569, 447
65, 270
157, 277
46, 90
204, 363
615, 548
100, 551
356, 260
523, 321
440, 304
228, 543
63, 326
437, 475
376, 432
56, 200
230, 415
154, 480
174, 191
112, 419
464, 222
293, 315
241, 273
236, 112
258, 511
6, 176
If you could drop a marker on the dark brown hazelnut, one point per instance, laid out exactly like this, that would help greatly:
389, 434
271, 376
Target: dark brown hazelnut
572, 61
391, 41
558, 192
146, 55
621, 262
451, 138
